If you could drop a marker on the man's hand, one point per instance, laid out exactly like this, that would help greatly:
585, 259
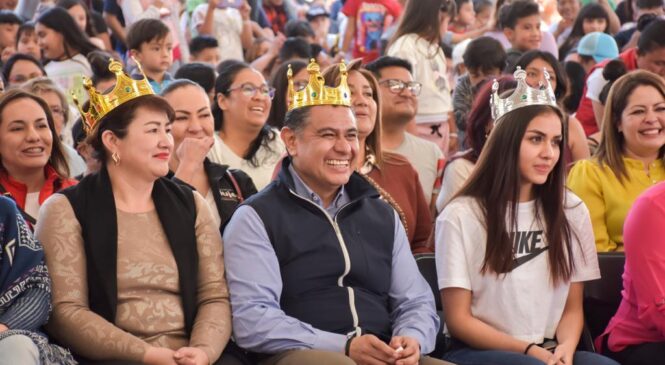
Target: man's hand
159, 356
191, 356
410, 350
369, 350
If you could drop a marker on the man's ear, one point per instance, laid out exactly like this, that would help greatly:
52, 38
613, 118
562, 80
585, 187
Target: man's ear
288, 136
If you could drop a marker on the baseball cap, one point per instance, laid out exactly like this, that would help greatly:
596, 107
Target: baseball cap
315, 11
600, 46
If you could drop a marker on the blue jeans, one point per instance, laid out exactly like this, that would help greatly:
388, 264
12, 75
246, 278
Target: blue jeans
469, 356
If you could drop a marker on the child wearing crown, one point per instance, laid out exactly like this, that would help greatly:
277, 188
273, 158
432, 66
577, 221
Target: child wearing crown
513, 247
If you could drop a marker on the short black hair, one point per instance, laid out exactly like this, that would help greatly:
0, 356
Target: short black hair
648, 4
298, 28
8, 17
201, 73
295, 47
382, 62
201, 42
484, 54
99, 64
9, 65
518, 10
652, 38
144, 31
295, 119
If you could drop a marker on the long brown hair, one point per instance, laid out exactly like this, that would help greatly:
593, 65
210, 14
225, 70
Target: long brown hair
57, 159
421, 17
495, 185
331, 75
611, 149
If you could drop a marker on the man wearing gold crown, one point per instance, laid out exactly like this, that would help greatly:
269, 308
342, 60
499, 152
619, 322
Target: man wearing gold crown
319, 267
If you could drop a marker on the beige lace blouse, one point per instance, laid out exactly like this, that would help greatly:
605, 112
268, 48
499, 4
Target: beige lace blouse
149, 312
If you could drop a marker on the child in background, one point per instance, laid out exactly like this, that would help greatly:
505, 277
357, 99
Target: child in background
591, 18
568, 9
230, 26
204, 49
367, 19
521, 26
150, 42
9, 24
465, 17
484, 12
26, 41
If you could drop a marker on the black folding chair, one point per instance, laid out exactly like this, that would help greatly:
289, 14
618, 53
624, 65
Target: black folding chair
427, 266
603, 296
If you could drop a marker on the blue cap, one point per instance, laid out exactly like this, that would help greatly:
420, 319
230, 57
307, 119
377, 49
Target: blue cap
600, 46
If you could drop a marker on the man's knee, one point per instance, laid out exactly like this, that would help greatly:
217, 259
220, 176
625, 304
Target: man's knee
299, 357
18, 349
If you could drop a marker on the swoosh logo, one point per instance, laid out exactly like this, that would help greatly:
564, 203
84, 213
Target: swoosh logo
526, 258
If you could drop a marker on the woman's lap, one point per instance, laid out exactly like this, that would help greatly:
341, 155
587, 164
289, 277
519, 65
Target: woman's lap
468, 356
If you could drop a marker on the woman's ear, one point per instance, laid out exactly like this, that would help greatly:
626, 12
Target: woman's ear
110, 142
222, 101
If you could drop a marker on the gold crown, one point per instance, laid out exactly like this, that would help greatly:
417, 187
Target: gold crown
316, 92
126, 88
523, 95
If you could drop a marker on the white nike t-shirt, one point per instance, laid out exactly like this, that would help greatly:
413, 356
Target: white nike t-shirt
522, 303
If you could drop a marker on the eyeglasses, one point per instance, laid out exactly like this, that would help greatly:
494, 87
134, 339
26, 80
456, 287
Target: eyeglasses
250, 90
397, 86
57, 111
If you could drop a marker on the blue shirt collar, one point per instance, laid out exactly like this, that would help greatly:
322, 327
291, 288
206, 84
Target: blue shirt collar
304, 191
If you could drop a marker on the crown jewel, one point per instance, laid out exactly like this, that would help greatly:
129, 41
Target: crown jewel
126, 88
316, 92
523, 95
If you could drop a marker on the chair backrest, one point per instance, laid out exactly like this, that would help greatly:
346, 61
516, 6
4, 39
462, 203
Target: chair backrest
427, 266
603, 296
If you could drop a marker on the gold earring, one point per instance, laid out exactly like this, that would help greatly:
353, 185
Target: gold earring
115, 158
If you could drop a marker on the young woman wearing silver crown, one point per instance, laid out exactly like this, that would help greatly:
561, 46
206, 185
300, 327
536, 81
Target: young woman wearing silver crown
513, 246
136, 259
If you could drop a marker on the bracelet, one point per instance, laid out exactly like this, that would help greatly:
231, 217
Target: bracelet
347, 347
526, 351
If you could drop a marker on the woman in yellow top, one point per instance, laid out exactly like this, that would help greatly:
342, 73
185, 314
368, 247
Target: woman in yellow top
629, 158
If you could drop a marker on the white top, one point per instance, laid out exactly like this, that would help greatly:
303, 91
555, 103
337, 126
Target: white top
522, 303
454, 176
427, 158
595, 84
32, 204
69, 74
429, 68
261, 175
563, 36
227, 28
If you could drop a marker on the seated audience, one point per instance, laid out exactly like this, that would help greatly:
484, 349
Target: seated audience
644, 9
591, 18
594, 48
629, 158
20, 68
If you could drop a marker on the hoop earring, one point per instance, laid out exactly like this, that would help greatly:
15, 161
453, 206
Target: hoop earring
115, 158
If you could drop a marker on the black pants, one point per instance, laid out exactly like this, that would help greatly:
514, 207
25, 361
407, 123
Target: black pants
650, 353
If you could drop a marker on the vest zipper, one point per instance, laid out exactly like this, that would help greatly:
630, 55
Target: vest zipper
347, 259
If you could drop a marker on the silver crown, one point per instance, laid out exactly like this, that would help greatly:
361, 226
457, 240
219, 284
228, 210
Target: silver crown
523, 95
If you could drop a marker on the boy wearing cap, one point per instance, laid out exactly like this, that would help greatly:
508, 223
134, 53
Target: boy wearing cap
594, 48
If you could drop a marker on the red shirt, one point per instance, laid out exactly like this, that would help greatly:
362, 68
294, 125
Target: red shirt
372, 17
18, 191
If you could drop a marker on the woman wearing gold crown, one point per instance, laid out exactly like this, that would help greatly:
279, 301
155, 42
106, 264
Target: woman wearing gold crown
136, 260
514, 247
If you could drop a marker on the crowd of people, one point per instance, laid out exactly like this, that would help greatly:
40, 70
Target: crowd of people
193, 182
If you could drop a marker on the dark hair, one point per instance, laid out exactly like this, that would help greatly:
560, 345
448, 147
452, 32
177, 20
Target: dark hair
144, 31
179, 84
459, 3
611, 149
480, 116
517, 10
382, 62
644, 20
119, 119
648, 4
576, 76
9, 65
480, 5
228, 71
280, 82
422, 18
495, 185
9, 17
295, 119
588, 11
27, 27
202, 42
611, 72
652, 38
484, 54
298, 28
201, 73
59, 20
99, 64
89, 22
295, 47
561, 81
57, 159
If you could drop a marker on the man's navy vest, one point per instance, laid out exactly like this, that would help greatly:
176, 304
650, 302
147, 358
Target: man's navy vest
336, 271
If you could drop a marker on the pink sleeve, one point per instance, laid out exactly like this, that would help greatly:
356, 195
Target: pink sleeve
350, 8
645, 257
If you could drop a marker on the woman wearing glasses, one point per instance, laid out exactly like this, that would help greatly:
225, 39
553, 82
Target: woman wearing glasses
417, 40
244, 140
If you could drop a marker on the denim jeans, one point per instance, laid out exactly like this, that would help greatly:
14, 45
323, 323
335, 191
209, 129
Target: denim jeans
18, 349
469, 356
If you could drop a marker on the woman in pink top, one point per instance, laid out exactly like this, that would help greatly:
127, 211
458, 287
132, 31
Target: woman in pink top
636, 333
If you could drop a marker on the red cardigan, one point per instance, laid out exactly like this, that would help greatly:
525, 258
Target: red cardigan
18, 191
